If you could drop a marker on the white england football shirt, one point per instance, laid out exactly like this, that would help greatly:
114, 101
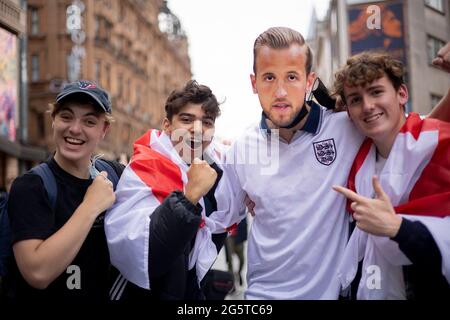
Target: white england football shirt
301, 227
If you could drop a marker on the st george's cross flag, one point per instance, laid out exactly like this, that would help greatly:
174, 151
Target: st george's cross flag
416, 177
154, 171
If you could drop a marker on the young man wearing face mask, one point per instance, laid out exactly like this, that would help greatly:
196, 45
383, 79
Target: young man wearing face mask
287, 165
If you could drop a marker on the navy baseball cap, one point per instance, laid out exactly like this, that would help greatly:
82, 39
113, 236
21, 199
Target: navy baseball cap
89, 88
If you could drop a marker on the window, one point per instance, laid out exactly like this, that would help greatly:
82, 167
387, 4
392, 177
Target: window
125, 134
108, 76
120, 85
107, 4
138, 97
97, 71
34, 21
121, 11
437, 5
97, 27
108, 30
40, 119
434, 45
34, 68
434, 100
129, 89
69, 65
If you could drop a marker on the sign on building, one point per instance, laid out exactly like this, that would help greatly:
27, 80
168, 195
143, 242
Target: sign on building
8, 84
74, 26
377, 26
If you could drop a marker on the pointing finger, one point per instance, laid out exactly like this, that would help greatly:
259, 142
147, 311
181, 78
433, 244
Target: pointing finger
353, 196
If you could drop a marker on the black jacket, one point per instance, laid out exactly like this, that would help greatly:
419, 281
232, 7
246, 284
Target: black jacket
423, 279
173, 227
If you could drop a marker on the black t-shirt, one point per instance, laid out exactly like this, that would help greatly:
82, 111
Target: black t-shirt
33, 217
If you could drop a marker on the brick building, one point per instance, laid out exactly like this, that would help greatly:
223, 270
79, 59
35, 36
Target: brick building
14, 151
117, 43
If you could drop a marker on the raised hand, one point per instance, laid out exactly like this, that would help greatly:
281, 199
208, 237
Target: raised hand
375, 216
201, 178
443, 58
100, 194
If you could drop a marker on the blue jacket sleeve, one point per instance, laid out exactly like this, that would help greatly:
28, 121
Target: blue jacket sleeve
418, 244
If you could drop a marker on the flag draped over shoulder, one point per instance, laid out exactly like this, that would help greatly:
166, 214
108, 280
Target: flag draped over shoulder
155, 170
416, 177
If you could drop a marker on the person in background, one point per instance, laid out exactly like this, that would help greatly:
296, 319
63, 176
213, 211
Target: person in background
234, 245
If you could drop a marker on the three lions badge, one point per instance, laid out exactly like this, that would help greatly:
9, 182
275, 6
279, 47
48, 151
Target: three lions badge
325, 151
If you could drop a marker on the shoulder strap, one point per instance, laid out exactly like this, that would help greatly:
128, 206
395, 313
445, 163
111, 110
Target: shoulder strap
43, 171
103, 165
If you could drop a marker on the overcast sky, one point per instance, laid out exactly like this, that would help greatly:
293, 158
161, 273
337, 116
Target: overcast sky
221, 35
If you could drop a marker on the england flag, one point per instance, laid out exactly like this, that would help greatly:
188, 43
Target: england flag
416, 177
154, 172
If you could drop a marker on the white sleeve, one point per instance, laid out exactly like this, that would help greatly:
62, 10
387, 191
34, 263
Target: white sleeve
229, 196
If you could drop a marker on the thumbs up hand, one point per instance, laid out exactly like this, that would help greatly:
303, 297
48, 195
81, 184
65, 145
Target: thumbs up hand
201, 178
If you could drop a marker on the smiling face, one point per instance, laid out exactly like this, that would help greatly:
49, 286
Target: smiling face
191, 131
377, 109
77, 130
281, 81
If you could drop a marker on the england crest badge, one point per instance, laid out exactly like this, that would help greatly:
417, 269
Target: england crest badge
325, 151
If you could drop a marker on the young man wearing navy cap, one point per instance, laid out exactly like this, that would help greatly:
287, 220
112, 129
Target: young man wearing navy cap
60, 248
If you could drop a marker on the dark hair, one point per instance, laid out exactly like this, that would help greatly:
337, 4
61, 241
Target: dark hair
282, 38
192, 93
366, 67
80, 99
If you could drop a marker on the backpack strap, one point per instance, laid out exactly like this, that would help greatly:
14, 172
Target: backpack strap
43, 171
103, 165
46, 174
5, 237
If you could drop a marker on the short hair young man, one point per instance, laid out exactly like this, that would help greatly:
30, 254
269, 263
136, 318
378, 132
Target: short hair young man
156, 229
410, 157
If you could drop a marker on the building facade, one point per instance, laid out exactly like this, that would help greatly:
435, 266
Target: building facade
410, 30
116, 43
14, 151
